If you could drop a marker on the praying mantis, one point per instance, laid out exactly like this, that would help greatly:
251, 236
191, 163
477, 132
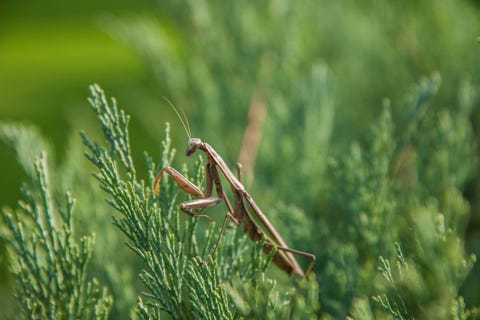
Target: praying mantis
255, 224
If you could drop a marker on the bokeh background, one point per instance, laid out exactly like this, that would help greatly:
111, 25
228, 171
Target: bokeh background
49, 53
212, 62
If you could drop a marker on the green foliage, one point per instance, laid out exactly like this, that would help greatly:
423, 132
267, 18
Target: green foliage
51, 265
93, 217
363, 202
401, 202
383, 194
392, 215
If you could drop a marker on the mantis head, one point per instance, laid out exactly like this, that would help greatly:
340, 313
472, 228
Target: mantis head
193, 145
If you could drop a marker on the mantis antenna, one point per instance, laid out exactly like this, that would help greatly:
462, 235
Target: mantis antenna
182, 117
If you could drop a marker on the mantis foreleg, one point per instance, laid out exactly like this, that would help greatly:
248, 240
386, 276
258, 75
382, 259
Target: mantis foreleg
204, 201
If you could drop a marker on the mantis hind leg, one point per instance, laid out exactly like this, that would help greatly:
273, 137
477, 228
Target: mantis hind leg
298, 252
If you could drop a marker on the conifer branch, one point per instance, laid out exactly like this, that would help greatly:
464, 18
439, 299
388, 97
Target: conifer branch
49, 263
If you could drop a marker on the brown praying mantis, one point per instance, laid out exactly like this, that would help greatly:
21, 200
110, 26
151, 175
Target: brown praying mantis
254, 222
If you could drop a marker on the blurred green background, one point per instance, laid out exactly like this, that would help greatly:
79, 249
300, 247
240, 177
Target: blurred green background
140, 51
49, 53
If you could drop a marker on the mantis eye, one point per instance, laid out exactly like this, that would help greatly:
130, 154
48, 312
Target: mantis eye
192, 146
190, 150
